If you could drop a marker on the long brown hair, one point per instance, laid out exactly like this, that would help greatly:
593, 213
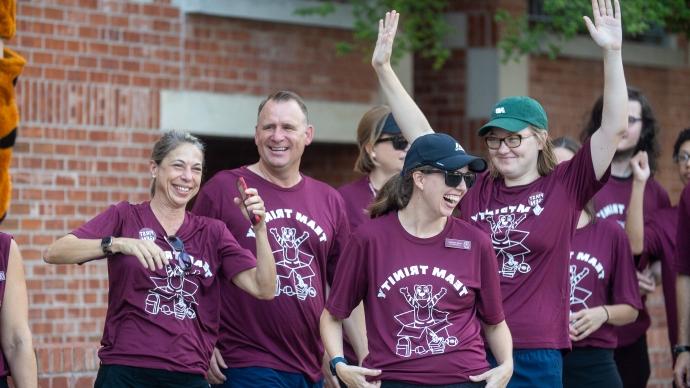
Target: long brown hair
394, 195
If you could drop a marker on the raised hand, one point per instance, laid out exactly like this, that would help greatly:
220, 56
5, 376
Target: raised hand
640, 166
384, 42
252, 204
606, 31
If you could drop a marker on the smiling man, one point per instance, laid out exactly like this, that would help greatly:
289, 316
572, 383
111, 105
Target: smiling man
277, 343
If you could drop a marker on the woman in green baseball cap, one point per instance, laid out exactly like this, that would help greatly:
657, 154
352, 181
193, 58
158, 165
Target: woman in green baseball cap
526, 203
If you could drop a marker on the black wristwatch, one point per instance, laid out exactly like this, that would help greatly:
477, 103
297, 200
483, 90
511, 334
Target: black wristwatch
678, 349
335, 361
106, 244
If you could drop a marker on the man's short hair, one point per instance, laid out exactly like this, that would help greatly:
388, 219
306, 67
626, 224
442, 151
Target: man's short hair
284, 96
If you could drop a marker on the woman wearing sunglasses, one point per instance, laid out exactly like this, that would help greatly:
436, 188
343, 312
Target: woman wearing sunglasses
427, 281
526, 203
163, 262
603, 293
382, 151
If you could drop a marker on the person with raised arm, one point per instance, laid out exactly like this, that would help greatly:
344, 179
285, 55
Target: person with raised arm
527, 203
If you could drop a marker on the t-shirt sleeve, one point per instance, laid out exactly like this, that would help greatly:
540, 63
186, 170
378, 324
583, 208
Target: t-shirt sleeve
653, 244
234, 259
624, 288
342, 234
682, 237
489, 302
579, 177
350, 282
108, 223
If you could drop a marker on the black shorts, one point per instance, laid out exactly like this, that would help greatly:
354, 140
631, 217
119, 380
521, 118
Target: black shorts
118, 376
633, 363
590, 367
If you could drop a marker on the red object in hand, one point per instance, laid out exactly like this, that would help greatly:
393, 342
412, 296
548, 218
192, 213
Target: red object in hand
242, 188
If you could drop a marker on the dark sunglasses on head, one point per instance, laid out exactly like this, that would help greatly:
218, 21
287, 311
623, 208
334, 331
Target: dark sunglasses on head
399, 142
453, 178
183, 258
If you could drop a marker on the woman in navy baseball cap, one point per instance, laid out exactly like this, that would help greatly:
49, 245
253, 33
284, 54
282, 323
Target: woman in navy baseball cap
427, 281
528, 204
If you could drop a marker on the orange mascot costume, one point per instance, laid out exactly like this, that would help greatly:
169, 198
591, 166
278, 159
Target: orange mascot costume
11, 65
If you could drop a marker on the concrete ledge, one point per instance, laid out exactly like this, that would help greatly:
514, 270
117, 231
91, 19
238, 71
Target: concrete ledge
279, 11
633, 53
234, 115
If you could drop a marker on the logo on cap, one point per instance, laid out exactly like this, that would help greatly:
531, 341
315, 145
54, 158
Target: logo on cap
500, 110
458, 147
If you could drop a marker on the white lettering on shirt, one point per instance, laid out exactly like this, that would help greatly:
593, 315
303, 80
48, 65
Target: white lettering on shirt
591, 260
611, 210
416, 270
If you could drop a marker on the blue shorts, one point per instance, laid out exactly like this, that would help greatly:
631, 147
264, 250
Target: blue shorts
534, 368
265, 377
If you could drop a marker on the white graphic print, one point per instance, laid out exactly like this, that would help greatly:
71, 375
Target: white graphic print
578, 295
172, 294
535, 201
424, 328
293, 266
508, 243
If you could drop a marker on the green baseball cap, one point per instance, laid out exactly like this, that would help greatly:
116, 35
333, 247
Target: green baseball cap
515, 113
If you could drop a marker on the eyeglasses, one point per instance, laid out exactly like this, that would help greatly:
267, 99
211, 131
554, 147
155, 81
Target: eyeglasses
632, 120
453, 178
511, 141
183, 258
399, 142
682, 157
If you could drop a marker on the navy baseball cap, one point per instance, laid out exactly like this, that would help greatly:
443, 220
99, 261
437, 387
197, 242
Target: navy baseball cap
390, 126
515, 113
440, 151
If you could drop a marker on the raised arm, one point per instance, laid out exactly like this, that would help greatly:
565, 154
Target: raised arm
14, 318
607, 33
409, 117
634, 221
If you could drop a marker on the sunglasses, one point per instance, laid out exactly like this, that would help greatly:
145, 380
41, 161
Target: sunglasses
453, 178
399, 142
183, 258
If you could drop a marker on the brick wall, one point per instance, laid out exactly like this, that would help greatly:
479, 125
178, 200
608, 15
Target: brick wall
90, 100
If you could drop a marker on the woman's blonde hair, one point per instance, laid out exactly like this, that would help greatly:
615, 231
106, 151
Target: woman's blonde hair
368, 131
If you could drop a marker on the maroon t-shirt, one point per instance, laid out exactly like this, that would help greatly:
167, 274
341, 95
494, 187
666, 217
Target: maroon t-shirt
682, 234
611, 202
422, 299
531, 227
164, 319
660, 244
357, 196
307, 228
602, 272
5, 240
